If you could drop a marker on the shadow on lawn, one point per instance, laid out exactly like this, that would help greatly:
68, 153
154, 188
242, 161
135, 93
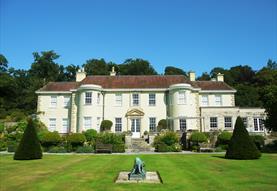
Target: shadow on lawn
216, 156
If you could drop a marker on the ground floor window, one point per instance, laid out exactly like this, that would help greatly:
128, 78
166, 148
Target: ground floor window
244, 119
65, 125
152, 124
52, 124
87, 123
213, 122
118, 124
182, 124
228, 122
258, 124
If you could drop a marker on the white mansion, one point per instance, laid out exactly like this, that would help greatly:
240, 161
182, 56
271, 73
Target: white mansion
138, 103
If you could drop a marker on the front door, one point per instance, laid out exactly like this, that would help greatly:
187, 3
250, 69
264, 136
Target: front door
135, 128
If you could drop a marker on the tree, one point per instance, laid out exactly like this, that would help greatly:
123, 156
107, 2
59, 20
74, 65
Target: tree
204, 77
3, 63
70, 72
247, 96
162, 125
241, 146
44, 66
170, 70
106, 125
136, 67
96, 67
29, 147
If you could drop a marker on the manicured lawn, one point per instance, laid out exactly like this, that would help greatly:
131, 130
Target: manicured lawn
97, 172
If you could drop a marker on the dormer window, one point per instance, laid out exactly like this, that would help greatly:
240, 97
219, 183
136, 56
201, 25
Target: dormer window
88, 98
135, 97
182, 97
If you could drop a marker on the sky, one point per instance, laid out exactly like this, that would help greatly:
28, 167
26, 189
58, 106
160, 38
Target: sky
195, 35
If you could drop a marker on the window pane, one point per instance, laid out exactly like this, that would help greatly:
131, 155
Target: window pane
228, 122
65, 126
261, 124
152, 99
53, 101
52, 124
218, 100
183, 124
182, 97
205, 100
88, 98
87, 123
152, 124
118, 124
213, 122
244, 119
135, 99
118, 99
256, 127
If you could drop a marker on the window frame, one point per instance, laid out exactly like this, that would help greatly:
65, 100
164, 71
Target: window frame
152, 100
213, 124
245, 121
53, 104
63, 125
136, 99
87, 126
118, 99
182, 100
207, 101
230, 123
152, 124
182, 125
218, 102
87, 98
118, 125
52, 126
258, 122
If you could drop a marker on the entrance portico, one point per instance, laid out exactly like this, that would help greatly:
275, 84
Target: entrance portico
134, 117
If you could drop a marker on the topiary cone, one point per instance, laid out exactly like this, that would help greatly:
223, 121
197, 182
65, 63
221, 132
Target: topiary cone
29, 147
241, 146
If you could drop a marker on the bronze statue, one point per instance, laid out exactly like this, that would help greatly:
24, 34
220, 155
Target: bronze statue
138, 172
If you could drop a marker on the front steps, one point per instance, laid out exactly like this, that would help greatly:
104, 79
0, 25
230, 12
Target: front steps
139, 145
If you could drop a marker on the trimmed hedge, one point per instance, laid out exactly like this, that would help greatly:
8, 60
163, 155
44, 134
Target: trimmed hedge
90, 134
29, 147
167, 142
223, 139
118, 148
162, 125
241, 146
48, 139
198, 137
57, 149
85, 149
76, 139
106, 125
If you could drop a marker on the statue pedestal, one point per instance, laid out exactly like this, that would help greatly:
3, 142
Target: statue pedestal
151, 177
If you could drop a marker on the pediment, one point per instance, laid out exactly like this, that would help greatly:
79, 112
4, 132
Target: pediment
135, 112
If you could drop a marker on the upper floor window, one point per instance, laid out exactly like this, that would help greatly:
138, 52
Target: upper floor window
98, 98
205, 100
135, 99
118, 99
228, 122
66, 100
213, 122
88, 98
87, 123
65, 126
218, 100
244, 119
52, 124
182, 97
152, 99
183, 124
53, 101
118, 124
258, 124
152, 124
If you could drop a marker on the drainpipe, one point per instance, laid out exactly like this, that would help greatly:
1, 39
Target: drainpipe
103, 107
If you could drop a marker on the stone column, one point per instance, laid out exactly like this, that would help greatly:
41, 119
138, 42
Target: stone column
73, 114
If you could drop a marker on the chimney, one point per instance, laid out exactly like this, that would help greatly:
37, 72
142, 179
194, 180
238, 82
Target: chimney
80, 75
220, 77
113, 73
192, 76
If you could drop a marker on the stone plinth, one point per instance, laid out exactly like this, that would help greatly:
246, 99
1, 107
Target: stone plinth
151, 177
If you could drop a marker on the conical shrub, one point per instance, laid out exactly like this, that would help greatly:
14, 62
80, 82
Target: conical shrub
29, 147
241, 146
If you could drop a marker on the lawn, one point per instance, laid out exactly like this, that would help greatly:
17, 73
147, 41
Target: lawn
178, 172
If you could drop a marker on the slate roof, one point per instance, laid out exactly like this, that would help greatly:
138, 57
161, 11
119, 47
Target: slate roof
133, 82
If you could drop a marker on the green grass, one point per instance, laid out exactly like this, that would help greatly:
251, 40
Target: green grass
98, 172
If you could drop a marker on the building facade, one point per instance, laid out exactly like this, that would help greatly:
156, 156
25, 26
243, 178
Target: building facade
138, 103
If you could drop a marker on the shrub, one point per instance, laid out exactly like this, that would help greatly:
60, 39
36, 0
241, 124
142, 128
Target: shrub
76, 139
110, 138
49, 139
85, 149
29, 147
106, 125
167, 142
90, 134
241, 146
118, 148
258, 140
3, 144
162, 125
198, 137
12, 146
57, 149
2, 127
270, 148
224, 138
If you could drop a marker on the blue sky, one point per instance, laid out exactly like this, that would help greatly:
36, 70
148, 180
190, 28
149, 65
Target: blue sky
190, 34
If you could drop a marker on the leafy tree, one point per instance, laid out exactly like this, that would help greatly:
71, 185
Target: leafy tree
96, 67
70, 72
44, 66
106, 125
3, 63
29, 147
162, 125
170, 70
204, 77
241, 146
136, 67
247, 96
